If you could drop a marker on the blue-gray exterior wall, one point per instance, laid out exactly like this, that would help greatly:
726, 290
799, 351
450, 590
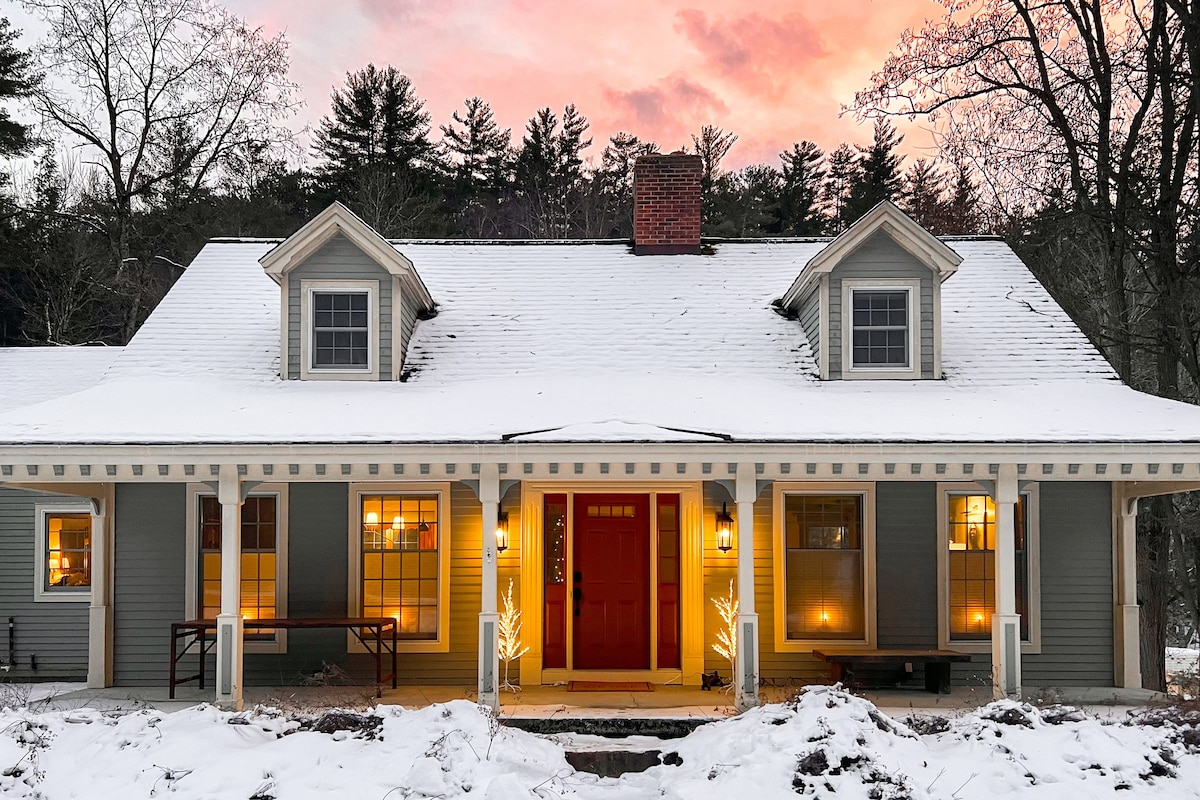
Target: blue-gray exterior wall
49, 641
148, 579
880, 258
339, 259
810, 320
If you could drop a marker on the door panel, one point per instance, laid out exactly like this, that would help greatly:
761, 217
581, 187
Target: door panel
612, 582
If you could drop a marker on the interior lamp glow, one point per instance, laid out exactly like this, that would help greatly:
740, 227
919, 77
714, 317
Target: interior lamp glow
724, 530
502, 532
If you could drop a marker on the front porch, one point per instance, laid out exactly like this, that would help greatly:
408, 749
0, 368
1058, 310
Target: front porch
150, 546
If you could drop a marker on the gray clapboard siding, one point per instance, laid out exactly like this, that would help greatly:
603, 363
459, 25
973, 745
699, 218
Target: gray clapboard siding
810, 320
879, 258
906, 564
148, 579
410, 312
54, 635
339, 259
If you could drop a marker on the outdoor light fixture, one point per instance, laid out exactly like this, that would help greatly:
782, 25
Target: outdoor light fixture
501, 531
724, 530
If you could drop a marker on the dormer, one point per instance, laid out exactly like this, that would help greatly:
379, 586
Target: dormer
870, 300
349, 300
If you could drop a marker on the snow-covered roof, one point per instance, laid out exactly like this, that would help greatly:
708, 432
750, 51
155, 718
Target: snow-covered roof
29, 375
585, 341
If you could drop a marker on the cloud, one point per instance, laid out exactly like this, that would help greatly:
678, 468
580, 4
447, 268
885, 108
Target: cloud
762, 56
667, 110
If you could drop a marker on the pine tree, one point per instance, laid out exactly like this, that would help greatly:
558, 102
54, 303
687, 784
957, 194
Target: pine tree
549, 172
478, 146
962, 208
616, 179
879, 176
923, 195
800, 193
376, 122
712, 145
16, 81
842, 174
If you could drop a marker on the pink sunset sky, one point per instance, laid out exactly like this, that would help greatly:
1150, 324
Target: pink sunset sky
774, 72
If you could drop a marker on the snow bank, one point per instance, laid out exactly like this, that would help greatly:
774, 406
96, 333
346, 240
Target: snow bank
826, 743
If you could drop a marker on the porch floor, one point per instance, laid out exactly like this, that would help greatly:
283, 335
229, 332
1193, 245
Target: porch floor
665, 702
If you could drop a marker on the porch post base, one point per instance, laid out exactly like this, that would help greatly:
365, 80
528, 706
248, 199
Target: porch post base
99, 673
489, 660
229, 662
1006, 656
1129, 655
746, 674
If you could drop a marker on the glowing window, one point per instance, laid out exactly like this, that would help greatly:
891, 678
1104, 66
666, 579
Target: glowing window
823, 567
400, 538
68, 552
259, 558
972, 566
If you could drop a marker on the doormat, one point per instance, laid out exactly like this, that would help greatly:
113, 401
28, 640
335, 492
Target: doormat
610, 686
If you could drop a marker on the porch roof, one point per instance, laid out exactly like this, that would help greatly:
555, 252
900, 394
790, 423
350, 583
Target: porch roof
585, 342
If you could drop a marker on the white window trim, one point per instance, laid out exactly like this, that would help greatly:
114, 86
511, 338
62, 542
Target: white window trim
354, 547
60, 594
913, 371
1033, 644
864, 489
191, 584
307, 289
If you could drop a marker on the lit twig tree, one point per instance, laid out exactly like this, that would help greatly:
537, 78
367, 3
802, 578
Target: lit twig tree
510, 636
726, 644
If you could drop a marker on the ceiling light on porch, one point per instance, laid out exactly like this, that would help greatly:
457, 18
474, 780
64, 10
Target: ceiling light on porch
501, 531
724, 530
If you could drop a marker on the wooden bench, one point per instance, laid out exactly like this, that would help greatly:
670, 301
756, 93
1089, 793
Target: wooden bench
381, 632
937, 663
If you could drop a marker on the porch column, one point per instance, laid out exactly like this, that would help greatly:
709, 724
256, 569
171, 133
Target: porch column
489, 619
1006, 623
229, 621
1128, 667
99, 672
746, 674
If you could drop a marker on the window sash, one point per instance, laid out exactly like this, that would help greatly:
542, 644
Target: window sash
873, 328
971, 565
399, 544
67, 552
824, 567
259, 593
341, 329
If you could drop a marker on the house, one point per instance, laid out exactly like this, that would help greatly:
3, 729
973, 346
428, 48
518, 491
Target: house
883, 440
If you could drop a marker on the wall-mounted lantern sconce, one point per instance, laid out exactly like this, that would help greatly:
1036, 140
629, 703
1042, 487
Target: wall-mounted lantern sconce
502, 532
724, 530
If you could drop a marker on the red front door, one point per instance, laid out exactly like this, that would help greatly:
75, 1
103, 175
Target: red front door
612, 581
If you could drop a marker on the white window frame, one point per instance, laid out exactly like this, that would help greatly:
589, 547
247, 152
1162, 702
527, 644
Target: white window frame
912, 286
1033, 644
441, 644
309, 288
863, 489
57, 594
191, 588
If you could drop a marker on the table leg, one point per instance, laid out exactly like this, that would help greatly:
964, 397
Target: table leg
203, 654
836, 671
937, 678
379, 661
394, 672
174, 643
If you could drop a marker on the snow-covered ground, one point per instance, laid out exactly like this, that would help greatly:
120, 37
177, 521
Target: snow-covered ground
824, 744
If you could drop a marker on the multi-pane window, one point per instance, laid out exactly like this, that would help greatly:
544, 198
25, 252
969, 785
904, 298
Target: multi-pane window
341, 330
259, 534
400, 537
823, 577
68, 550
972, 565
879, 328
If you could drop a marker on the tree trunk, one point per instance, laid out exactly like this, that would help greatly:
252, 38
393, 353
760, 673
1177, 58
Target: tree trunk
1153, 578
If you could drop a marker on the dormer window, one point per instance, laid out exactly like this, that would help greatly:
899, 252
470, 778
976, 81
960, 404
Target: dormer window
340, 320
870, 300
880, 327
341, 330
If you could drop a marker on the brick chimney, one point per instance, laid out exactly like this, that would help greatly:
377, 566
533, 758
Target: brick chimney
666, 204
